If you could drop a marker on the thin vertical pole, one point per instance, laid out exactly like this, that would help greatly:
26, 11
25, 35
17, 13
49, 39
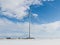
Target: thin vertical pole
29, 22
30, 25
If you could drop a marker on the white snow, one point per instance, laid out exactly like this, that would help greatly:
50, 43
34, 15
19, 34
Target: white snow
31, 42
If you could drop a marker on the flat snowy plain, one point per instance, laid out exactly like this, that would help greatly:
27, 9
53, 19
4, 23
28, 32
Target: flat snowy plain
30, 42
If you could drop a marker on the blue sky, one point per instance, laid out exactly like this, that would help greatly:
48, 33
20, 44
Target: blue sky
48, 12
44, 15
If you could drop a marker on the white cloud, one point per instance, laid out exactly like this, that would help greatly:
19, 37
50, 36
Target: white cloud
8, 25
49, 28
8, 28
35, 15
17, 8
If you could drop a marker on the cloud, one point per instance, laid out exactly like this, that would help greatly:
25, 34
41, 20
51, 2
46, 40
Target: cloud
17, 8
50, 27
46, 30
8, 28
8, 25
37, 30
35, 15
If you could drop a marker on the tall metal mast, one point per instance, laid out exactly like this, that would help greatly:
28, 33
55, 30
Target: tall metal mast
29, 23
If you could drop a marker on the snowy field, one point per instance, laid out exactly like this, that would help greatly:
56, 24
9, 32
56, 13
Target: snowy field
31, 42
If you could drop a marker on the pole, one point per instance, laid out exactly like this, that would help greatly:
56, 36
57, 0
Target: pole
29, 22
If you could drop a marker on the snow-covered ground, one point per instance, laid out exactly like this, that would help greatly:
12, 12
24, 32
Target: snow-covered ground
31, 42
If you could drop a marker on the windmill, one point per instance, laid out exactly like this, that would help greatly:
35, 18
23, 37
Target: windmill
29, 33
